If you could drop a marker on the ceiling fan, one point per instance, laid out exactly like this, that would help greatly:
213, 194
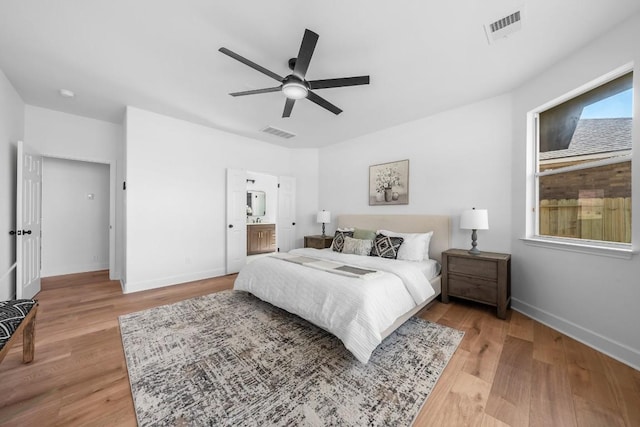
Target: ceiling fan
294, 86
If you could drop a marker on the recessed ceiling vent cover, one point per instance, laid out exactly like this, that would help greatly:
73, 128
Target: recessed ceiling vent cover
278, 132
503, 27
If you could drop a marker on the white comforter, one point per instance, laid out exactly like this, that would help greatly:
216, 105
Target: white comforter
355, 310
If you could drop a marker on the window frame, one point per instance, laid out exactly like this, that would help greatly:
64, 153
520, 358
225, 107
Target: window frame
532, 236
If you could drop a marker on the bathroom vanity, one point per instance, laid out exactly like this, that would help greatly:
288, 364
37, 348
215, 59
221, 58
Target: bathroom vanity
261, 238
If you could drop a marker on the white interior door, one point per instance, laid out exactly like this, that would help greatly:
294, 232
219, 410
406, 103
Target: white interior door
236, 220
286, 232
28, 217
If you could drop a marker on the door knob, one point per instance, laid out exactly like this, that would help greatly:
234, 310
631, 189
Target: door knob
26, 231
230, 225
12, 232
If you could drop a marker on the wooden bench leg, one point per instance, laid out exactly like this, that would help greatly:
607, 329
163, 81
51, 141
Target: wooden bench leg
28, 337
28, 329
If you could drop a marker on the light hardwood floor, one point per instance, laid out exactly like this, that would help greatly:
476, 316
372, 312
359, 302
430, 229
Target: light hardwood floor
515, 372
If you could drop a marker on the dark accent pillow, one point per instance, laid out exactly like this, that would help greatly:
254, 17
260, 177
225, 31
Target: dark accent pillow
386, 247
338, 239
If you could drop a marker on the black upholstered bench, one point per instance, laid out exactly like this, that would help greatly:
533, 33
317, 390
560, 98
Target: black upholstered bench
18, 316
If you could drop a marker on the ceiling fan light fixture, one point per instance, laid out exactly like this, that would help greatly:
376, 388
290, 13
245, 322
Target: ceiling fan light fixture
294, 90
295, 86
66, 93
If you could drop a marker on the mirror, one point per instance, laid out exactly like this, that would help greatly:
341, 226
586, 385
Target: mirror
256, 203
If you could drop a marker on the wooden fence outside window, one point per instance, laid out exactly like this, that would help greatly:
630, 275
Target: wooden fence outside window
605, 219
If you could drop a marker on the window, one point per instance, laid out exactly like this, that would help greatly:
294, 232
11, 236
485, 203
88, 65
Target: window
583, 166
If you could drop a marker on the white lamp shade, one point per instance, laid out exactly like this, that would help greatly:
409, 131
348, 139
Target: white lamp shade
474, 219
324, 217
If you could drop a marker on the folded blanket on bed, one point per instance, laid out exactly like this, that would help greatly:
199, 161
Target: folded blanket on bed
329, 266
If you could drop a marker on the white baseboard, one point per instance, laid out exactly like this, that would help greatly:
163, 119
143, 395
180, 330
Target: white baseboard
75, 268
621, 352
130, 287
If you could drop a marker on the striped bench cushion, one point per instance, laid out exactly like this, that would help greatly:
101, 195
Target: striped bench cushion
12, 313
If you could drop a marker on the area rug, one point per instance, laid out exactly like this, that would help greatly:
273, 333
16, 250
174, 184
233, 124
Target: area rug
231, 359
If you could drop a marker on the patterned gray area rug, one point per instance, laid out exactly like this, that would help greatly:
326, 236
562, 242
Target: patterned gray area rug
231, 359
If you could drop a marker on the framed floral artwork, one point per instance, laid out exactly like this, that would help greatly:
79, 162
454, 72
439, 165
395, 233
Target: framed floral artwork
389, 183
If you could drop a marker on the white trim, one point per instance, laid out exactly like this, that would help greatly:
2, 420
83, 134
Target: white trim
614, 349
606, 78
130, 287
592, 247
587, 165
594, 156
61, 270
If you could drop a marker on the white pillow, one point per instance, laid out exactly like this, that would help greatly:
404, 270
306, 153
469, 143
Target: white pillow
415, 246
357, 246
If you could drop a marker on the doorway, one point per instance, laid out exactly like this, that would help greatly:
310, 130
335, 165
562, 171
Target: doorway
279, 209
75, 216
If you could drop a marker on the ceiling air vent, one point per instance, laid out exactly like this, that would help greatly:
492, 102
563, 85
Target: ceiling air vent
278, 132
503, 27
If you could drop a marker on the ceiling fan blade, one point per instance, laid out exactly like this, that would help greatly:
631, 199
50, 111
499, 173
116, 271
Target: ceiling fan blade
323, 103
307, 47
345, 81
288, 106
257, 91
250, 64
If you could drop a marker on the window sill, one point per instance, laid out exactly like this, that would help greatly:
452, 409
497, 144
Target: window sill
593, 248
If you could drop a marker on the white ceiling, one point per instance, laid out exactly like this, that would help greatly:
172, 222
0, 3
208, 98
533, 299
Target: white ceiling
423, 57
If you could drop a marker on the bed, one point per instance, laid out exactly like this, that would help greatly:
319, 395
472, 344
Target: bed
359, 299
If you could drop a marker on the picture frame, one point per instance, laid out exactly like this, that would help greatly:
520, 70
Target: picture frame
389, 183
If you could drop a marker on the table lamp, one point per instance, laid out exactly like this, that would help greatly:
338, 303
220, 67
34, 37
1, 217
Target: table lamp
324, 217
474, 219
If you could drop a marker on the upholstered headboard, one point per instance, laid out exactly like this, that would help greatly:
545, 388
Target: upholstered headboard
439, 224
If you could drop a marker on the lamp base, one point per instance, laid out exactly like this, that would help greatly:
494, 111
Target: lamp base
323, 235
474, 243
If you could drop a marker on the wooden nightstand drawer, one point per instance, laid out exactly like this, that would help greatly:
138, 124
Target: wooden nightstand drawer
474, 267
318, 242
473, 288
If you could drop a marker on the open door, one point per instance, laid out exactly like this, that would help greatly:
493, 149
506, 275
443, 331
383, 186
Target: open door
28, 222
286, 232
236, 220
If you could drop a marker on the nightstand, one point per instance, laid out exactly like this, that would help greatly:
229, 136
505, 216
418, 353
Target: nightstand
483, 278
318, 242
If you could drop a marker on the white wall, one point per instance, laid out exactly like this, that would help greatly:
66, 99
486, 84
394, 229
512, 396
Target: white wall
592, 298
66, 136
458, 159
75, 226
305, 166
175, 219
11, 131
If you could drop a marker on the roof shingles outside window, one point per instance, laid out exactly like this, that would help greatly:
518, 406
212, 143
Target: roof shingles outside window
595, 136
